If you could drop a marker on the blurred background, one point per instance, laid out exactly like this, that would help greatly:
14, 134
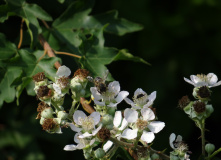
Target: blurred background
180, 38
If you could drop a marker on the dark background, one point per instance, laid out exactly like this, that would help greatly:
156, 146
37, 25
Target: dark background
180, 38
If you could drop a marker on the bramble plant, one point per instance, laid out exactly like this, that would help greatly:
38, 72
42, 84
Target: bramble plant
100, 128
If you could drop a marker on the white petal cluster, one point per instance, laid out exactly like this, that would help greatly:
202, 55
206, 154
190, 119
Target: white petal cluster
141, 99
144, 123
111, 97
174, 141
200, 80
63, 72
81, 143
86, 130
86, 124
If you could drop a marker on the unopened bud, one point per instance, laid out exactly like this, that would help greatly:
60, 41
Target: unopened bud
99, 153
62, 115
155, 156
47, 113
209, 148
107, 119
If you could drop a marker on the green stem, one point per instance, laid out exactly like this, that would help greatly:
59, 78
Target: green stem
214, 153
55, 106
137, 139
202, 128
71, 111
130, 145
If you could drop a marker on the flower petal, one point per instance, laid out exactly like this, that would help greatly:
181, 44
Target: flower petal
99, 103
156, 126
96, 117
123, 125
117, 118
179, 138
97, 96
147, 114
120, 97
107, 145
86, 134
172, 139
129, 134
114, 87
195, 79
147, 136
94, 132
76, 137
78, 116
70, 147
57, 88
216, 84
139, 91
92, 141
212, 79
130, 115
188, 81
151, 99
129, 101
63, 71
74, 128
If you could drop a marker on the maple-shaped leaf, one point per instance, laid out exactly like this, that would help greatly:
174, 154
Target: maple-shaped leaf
29, 12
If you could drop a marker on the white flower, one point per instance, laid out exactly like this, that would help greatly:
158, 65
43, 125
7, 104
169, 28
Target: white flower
200, 80
111, 97
119, 126
81, 143
62, 80
87, 124
144, 124
141, 99
174, 143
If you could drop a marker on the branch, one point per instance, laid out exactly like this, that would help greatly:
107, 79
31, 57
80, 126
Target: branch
48, 49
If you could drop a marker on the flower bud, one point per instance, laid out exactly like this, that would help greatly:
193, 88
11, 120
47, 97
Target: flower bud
87, 155
155, 156
76, 86
47, 113
99, 153
62, 115
209, 148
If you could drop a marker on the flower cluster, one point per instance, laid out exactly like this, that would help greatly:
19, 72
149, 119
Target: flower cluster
108, 127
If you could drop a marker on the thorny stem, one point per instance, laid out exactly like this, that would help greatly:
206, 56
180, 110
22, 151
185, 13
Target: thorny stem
21, 34
202, 128
130, 145
214, 153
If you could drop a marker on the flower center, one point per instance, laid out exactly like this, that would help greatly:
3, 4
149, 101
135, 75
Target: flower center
141, 124
202, 77
140, 99
63, 82
87, 123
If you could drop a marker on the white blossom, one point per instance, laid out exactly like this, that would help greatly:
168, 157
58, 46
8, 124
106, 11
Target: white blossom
111, 97
174, 141
87, 124
81, 143
144, 124
61, 81
200, 80
141, 99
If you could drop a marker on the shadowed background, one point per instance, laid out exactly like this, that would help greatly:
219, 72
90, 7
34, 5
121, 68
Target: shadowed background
179, 38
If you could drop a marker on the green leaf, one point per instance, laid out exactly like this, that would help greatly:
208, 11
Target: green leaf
7, 49
7, 93
122, 153
124, 55
29, 12
77, 17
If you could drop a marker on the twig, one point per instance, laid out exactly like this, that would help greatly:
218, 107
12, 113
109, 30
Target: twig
49, 50
21, 34
69, 54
